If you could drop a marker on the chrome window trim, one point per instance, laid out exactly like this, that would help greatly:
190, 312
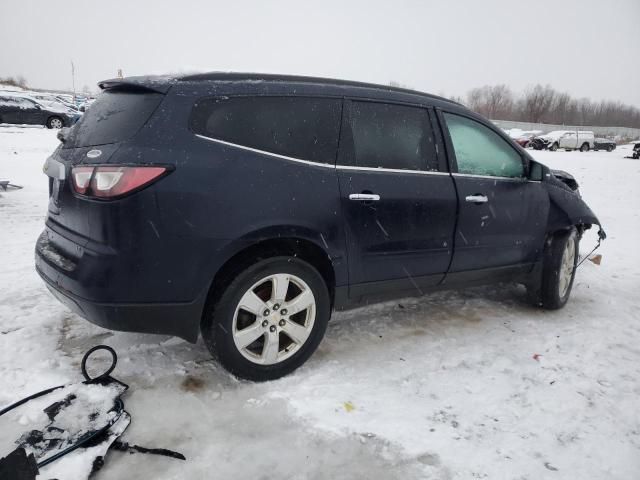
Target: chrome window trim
318, 164
392, 170
264, 152
489, 177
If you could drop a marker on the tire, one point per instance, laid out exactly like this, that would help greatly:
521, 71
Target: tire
554, 147
559, 270
55, 122
584, 147
610, 148
273, 353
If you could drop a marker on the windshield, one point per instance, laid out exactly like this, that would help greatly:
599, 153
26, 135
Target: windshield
113, 117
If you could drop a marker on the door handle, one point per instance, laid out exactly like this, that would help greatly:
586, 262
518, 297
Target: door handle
477, 198
364, 197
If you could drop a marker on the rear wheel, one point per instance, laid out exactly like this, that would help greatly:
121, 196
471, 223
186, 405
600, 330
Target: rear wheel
269, 319
55, 122
559, 269
610, 148
554, 147
584, 147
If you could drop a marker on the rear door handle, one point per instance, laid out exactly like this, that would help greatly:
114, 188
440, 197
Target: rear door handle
364, 197
477, 198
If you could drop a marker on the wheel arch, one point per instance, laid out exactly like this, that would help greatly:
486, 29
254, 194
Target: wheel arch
259, 245
567, 210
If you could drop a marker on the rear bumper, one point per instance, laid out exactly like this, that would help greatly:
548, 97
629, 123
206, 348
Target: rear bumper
181, 319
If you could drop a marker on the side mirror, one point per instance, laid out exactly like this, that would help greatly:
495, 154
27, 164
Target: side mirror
536, 171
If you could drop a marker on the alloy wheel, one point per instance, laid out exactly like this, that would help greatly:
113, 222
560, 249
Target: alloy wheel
274, 318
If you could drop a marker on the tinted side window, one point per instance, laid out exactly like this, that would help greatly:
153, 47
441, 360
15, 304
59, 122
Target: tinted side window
299, 127
392, 136
481, 151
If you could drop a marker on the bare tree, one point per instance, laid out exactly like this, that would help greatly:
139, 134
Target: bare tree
21, 81
494, 101
18, 81
537, 101
560, 110
544, 104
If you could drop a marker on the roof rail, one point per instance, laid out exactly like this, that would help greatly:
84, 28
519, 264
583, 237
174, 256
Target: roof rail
269, 77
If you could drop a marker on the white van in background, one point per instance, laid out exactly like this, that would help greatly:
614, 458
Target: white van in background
568, 139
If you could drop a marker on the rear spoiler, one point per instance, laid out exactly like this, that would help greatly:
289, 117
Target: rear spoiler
138, 84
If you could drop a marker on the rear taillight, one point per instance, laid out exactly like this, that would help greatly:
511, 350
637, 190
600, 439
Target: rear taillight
108, 182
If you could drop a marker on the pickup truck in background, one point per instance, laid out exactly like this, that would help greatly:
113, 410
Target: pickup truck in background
568, 139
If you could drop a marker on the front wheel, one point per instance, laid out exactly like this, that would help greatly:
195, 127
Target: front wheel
559, 269
610, 148
553, 147
269, 319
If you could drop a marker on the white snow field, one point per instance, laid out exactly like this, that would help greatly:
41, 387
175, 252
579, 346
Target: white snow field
455, 385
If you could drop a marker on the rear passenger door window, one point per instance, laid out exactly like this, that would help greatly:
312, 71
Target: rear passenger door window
391, 136
299, 127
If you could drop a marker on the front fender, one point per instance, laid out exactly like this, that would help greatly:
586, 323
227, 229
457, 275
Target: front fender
567, 208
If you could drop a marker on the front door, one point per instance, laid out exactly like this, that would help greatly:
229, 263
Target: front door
398, 203
10, 110
502, 215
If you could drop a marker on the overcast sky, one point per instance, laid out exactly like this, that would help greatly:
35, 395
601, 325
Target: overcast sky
588, 48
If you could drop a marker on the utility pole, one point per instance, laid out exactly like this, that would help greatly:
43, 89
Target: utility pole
73, 80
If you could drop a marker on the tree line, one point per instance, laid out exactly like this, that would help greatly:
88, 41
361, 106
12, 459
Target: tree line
18, 81
544, 104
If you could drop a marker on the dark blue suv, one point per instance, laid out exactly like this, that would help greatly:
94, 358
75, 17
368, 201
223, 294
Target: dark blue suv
246, 207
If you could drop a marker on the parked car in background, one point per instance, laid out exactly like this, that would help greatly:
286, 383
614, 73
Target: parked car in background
544, 142
246, 207
50, 100
636, 150
568, 139
20, 109
524, 140
604, 144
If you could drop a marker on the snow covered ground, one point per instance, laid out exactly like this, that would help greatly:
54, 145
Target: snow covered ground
443, 387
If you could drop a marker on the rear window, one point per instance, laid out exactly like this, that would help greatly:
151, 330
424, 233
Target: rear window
115, 116
300, 127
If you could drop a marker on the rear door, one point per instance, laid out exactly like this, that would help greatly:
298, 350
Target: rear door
6, 108
398, 202
502, 215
